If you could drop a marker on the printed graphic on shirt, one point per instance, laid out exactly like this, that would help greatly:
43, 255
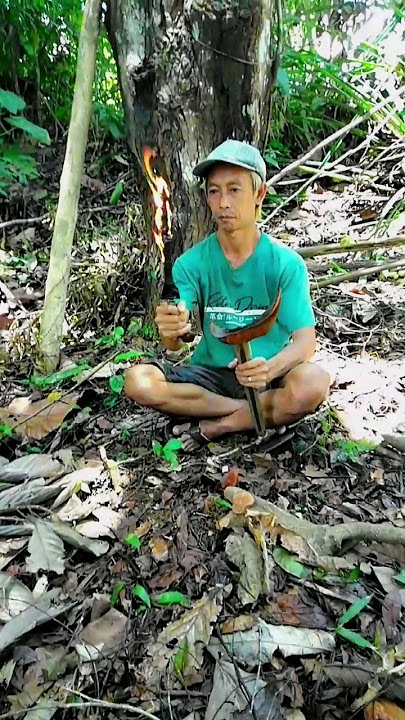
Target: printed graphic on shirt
241, 312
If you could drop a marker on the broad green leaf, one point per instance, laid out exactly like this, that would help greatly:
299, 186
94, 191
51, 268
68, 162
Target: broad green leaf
171, 457
130, 355
173, 444
180, 658
116, 193
58, 377
171, 597
352, 576
222, 503
116, 384
30, 128
133, 541
157, 448
401, 576
116, 592
110, 401
283, 81
142, 595
353, 637
11, 102
289, 563
354, 610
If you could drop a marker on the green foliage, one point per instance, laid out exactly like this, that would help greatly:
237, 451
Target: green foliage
116, 384
16, 164
289, 563
354, 610
171, 597
116, 193
354, 638
400, 577
351, 450
118, 588
133, 542
142, 595
56, 378
5, 431
110, 340
168, 451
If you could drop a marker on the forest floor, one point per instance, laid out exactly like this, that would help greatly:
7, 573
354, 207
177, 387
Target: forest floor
131, 580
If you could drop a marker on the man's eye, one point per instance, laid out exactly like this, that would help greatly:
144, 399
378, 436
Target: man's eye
234, 190
211, 191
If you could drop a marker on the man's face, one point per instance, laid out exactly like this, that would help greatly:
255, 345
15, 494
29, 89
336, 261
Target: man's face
230, 197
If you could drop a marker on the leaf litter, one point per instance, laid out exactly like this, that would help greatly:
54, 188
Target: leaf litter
175, 590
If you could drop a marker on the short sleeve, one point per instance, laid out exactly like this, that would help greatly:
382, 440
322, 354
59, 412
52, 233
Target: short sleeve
296, 310
186, 283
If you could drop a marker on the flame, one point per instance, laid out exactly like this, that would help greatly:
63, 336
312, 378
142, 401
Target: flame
162, 221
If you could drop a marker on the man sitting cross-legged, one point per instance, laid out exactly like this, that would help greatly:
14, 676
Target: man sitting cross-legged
231, 278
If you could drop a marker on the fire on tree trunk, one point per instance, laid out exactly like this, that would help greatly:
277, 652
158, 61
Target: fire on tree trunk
192, 74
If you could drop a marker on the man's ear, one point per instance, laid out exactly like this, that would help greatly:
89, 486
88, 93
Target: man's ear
261, 194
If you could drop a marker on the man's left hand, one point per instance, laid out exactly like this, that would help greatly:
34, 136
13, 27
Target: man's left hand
253, 373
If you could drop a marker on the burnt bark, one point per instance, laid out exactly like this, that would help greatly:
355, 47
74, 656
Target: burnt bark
192, 74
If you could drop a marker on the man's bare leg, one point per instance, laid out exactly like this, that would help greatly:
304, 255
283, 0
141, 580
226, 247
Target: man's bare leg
147, 385
300, 392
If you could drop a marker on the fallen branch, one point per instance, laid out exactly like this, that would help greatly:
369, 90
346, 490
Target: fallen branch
352, 246
24, 221
348, 277
331, 138
322, 539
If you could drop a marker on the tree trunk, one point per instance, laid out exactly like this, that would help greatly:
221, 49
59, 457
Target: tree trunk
192, 74
53, 313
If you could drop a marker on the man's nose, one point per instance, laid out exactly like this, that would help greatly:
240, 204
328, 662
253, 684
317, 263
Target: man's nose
224, 200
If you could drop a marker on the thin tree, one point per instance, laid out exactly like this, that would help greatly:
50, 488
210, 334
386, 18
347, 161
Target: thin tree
53, 314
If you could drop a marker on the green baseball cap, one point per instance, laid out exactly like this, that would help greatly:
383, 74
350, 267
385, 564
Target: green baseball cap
233, 152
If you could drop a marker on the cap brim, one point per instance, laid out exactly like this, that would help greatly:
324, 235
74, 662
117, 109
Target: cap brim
201, 169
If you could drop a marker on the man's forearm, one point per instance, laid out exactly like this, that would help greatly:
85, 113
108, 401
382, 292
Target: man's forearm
289, 357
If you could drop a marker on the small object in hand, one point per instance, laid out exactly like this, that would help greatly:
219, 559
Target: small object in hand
231, 478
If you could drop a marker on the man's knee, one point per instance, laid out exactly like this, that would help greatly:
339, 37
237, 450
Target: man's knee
145, 384
309, 390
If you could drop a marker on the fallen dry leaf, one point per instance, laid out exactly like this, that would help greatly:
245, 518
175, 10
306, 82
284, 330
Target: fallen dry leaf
38, 419
242, 622
159, 549
383, 709
143, 529
241, 501
230, 479
165, 579
103, 636
288, 609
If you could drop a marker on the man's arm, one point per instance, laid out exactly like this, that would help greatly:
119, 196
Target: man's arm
259, 372
301, 349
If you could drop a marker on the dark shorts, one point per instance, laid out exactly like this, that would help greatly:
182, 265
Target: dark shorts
221, 381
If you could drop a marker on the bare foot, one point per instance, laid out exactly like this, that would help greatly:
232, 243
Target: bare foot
197, 435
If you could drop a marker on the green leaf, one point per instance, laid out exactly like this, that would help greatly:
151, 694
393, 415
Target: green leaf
289, 563
352, 576
171, 457
400, 577
116, 592
130, 355
157, 448
173, 444
11, 102
116, 193
222, 503
354, 610
142, 595
5, 430
171, 597
110, 401
283, 81
133, 541
30, 128
180, 659
58, 377
116, 384
353, 637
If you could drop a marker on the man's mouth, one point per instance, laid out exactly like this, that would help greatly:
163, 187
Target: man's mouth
226, 217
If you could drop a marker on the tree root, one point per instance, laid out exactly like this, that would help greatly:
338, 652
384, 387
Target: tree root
323, 540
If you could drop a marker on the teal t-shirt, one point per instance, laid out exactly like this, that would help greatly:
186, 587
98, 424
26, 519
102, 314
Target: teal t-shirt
236, 297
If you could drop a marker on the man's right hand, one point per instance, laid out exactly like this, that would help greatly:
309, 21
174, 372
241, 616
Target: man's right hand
172, 320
